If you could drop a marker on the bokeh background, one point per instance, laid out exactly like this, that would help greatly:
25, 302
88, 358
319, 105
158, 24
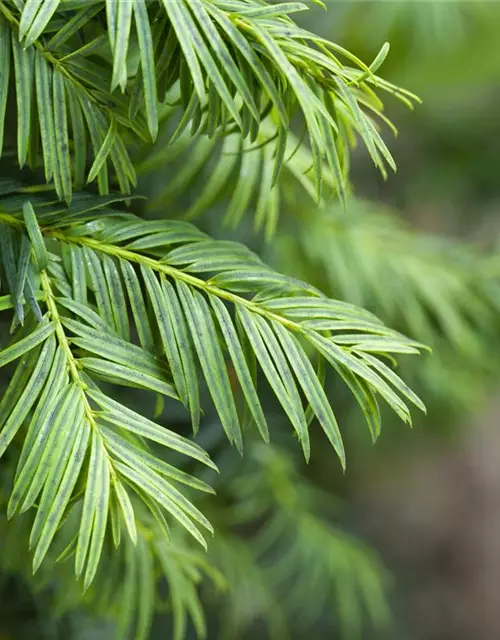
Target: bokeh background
421, 250
428, 499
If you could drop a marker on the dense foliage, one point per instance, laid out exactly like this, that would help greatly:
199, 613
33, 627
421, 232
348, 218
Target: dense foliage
133, 340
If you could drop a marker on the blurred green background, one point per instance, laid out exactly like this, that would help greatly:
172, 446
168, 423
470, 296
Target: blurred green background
421, 251
427, 499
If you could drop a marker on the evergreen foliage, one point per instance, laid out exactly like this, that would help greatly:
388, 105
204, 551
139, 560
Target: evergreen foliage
100, 298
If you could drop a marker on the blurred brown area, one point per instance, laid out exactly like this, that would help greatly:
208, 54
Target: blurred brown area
435, 517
